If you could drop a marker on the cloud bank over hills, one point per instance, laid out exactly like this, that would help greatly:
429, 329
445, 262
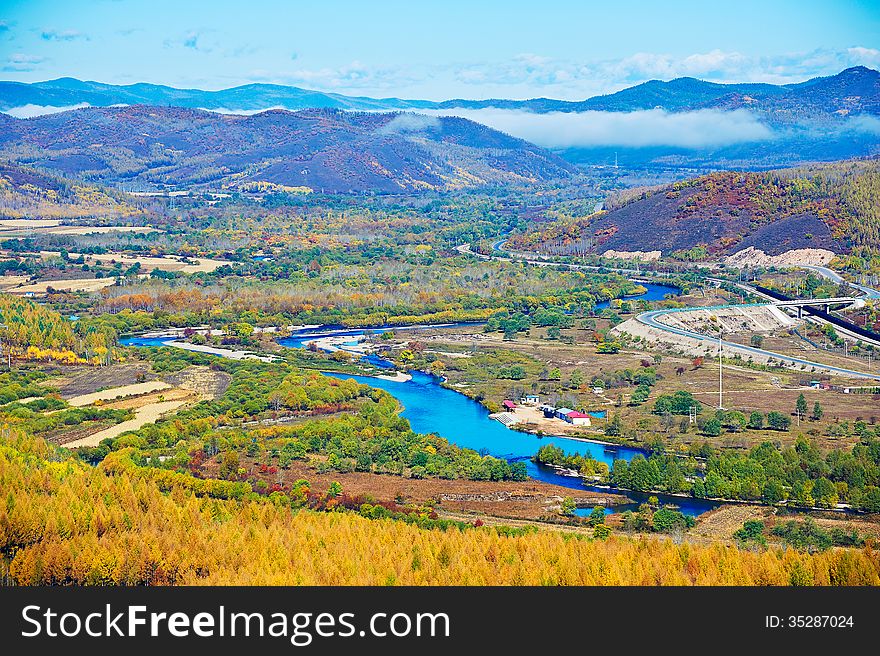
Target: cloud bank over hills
637, 129
684, 121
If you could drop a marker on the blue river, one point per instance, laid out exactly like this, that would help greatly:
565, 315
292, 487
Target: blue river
432, 408
655, 293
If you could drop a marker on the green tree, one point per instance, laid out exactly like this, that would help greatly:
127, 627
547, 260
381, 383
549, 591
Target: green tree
817, 412
601, 531
678, 403
773, 492
778, 421
825, 493
242, 329
667, 520
567, 507
608, 347
615, 426
800, 407
597, 516
229, 465
752, 531
712, 428
756, 420
640, 395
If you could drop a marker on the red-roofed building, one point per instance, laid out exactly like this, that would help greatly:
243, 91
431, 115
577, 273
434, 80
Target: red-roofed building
577, 418
508, 405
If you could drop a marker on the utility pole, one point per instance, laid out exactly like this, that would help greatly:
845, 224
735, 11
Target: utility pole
720, 373
5, 327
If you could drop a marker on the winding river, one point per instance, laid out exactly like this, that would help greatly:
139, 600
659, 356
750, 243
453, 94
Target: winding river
432, 408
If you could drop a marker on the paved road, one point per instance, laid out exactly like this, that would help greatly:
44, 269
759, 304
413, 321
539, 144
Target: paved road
650, 318
869, 292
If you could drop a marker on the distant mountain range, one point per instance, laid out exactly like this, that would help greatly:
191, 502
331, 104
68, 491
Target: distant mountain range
148, 147
68, 91
853, 91
319, 146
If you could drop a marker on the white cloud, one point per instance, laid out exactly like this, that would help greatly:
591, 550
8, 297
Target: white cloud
62, 35
699, 129
29, 111
863, 124
864, 56
20, 62
408, 122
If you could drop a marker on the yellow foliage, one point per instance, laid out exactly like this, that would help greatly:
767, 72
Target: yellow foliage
63, 522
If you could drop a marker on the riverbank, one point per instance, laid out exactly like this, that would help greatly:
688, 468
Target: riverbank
432, 407
222, 352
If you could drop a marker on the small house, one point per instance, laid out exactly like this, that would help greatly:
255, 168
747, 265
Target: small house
562, 413
530, 399
578, 418
508, 404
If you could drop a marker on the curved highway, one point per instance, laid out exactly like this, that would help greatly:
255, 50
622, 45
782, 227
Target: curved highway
650, 318
869, 292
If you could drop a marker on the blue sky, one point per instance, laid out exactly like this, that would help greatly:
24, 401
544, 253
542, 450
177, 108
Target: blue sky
435, 50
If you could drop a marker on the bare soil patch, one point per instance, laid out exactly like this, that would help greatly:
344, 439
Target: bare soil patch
75, 381
204, 381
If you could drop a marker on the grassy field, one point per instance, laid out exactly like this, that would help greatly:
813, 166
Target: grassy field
471, 358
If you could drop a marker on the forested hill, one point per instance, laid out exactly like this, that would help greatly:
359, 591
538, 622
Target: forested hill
319, 149
26, 193
831, 206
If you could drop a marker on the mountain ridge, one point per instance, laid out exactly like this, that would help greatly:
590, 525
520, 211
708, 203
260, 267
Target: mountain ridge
329, 149
855, 90
833, 206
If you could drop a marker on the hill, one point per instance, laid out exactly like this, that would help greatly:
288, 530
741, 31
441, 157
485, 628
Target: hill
852, 91
320, 149
830, 206
26, 193
68, 91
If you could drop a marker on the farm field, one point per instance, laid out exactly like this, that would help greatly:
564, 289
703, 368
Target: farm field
147, 264
29, 227
73, 285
